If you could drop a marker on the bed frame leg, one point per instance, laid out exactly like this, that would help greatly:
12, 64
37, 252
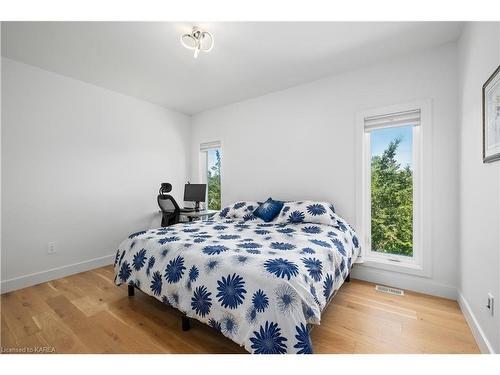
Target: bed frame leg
348, 278
186, 323
131, 290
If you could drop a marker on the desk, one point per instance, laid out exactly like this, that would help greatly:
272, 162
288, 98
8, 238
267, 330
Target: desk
195, 215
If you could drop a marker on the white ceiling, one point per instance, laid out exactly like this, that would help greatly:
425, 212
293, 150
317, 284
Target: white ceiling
147, 61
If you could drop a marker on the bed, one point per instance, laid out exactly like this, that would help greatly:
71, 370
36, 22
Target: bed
263, 285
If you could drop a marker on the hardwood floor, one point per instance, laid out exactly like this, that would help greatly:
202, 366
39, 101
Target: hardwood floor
87, 313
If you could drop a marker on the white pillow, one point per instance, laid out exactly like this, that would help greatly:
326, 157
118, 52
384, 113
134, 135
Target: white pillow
242, 210
307, 212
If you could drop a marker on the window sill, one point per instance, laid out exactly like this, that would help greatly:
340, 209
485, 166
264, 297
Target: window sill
410, 268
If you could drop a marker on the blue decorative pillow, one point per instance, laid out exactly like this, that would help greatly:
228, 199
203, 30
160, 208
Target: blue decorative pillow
268, 210
307, 212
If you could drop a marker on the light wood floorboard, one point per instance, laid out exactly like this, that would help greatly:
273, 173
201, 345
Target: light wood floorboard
87, 313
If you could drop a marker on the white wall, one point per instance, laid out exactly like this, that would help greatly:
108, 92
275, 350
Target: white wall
300, 143
479, 56
81, 166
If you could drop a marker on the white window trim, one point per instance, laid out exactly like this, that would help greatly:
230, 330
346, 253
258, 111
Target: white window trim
421, 263
203, 164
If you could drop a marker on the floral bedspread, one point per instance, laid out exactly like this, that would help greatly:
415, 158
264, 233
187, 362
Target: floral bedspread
260, 284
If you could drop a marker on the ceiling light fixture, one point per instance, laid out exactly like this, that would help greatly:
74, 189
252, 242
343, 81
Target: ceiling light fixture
198, 40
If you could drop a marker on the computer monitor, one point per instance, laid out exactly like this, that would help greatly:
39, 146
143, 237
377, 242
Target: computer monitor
195, 193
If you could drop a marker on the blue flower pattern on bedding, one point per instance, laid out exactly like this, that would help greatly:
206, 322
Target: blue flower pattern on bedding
303, 340
175, 270
139, 260
201, 301
308, 212
260, 284
231, 291
268, 340
240, 211
260, 301
156, 284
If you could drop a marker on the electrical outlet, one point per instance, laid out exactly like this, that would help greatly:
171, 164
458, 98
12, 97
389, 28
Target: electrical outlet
491, 304
51, 248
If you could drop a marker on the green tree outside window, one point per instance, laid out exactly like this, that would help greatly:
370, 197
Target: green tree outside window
391, 203
213, 179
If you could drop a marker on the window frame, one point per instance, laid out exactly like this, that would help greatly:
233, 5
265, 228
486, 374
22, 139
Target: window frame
420, 262
205, 147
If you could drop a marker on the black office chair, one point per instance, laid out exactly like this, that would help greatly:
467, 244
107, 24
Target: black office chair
168, 206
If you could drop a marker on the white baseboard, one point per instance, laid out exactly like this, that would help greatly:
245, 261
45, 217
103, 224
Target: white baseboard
404, 281
481, 340
54, 273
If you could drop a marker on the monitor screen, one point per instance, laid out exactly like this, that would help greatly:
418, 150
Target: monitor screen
195, 192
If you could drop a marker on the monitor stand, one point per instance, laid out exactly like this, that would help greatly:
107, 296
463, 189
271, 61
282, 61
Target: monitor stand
197, 206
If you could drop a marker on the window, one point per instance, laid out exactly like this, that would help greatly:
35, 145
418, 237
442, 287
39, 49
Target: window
392, 191
212, 173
